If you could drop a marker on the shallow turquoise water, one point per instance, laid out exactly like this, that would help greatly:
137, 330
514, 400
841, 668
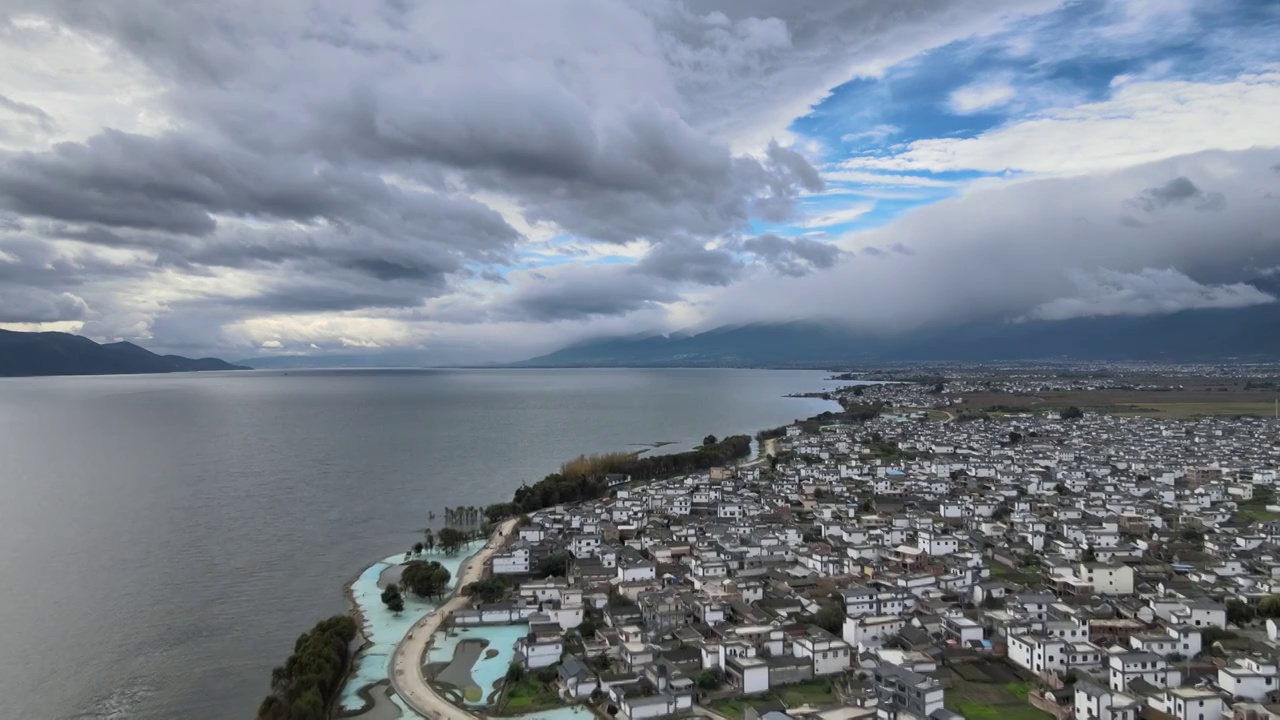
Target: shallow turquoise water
385, 629
486, 672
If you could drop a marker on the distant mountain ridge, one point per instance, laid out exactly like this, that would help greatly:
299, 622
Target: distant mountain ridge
25, 354
1251, 333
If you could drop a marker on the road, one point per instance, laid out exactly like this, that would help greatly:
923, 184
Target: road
406, 662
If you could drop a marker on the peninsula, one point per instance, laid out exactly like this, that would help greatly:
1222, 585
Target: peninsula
990, 542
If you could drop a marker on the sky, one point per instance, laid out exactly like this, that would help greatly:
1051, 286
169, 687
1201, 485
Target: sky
491, 180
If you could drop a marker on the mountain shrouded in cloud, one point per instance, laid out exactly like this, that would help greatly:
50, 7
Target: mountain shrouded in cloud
490, 181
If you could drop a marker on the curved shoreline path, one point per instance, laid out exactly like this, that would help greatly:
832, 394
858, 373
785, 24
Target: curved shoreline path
406, 662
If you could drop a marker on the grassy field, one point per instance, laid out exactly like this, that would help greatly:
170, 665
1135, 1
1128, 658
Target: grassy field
529, 695
818, 692
985, 691
733, 709
1194, 409
1192, 402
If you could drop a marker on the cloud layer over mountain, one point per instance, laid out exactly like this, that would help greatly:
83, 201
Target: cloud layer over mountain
485, 180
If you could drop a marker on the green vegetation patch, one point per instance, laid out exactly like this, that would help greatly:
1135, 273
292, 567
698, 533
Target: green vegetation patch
816, 693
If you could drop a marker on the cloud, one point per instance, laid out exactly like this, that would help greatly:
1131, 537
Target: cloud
981, 97
841, 216
31, 305
688, 260
375, 175
1106, 293
793, 257
1179, 191
1006, 247
875, 134
1142, 121
576, 292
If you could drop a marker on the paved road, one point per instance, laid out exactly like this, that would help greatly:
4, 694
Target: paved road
406, 662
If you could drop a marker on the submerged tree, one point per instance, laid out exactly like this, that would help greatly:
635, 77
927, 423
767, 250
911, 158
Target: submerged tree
425, 578
392, 597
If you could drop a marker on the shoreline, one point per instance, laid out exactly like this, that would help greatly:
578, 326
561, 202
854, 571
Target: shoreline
405, 669
371, 645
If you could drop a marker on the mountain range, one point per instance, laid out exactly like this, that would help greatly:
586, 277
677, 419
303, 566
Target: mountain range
1251, 333
54, 353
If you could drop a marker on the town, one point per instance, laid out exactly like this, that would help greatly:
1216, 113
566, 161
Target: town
935, 560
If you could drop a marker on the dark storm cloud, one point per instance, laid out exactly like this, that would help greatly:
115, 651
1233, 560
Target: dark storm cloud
325, 156
686, 260
1046, 248
33, 305
583, 292
1179, 191
793, 257
177, 184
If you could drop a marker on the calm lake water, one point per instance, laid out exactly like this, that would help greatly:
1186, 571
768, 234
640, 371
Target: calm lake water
166, 538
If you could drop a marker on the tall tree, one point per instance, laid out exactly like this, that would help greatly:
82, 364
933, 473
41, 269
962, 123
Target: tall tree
451, 540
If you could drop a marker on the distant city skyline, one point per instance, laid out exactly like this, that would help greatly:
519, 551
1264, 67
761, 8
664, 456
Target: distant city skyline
490, 181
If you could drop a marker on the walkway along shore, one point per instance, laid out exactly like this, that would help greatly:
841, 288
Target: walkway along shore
405, 670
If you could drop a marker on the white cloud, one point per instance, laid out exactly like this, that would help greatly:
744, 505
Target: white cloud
879, 178
981, 96
271, 345
1141, 122
877, 133
1150, 291
841, 216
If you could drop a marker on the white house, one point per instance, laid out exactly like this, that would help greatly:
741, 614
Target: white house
513, 562
873, 631
829, 654
1095, 702
1190, 703
539, 652
937, 544
1107, 579
1124, 668
1250, 677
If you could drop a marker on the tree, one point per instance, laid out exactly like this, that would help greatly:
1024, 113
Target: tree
555, 565
490, 590
812, 536
868, 506
588, 627
1072, 413
308, 706
429, 539
709, 441
1211, 635
1014, 437
425, 579
451, 540
1089, 555
1269, 606
711, 679
392, 597
417, 548
830, 618
515, 673
1239, 611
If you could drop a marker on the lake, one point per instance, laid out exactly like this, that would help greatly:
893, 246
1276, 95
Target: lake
167, 537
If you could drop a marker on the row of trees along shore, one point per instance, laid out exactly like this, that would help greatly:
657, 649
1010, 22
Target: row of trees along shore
304, 687
586, 477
